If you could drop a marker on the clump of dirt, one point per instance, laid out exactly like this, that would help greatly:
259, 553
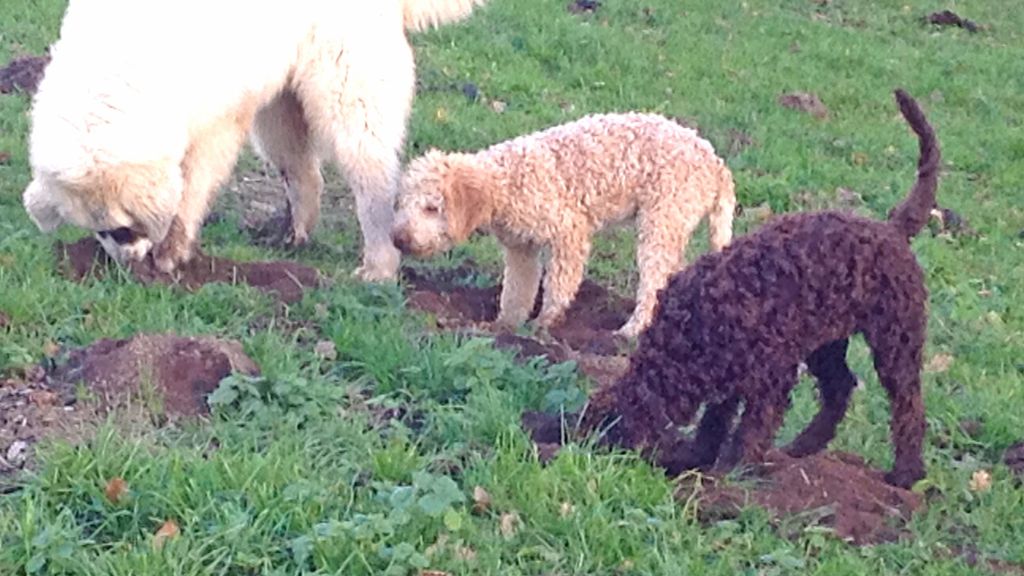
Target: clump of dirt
1014, 458
23, 74
950, 18
805, 102
174, 372
583, 6
456, 302
833, 489
288, 281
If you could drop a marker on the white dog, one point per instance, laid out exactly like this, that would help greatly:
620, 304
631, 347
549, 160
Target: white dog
144, 107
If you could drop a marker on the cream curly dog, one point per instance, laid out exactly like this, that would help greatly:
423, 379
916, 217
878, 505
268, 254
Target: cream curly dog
556, 188
145, 105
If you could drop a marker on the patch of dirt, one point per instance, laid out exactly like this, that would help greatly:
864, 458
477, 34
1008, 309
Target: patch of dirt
286, 280
1014, 458
947, 222
145, 379
175, 372
739, 141
583, 6
23, 74
950, 18
804, 102
833, 489
5, 157
588, 327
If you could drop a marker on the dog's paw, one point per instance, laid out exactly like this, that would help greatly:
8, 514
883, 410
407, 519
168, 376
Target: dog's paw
904, 478
368, 273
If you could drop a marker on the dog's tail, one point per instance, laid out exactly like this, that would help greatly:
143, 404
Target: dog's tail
911, 215
721, 215
422, 14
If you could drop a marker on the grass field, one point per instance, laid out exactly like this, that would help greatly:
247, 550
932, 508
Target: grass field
306, 479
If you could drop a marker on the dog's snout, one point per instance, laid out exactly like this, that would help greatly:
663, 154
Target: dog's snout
400, 239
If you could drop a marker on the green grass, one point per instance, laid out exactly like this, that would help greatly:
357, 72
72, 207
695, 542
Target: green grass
367, 464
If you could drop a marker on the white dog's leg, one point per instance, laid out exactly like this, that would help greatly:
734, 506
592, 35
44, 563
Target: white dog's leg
208, 162
660, 248
564, 275
281, 135
519, 284
357, 102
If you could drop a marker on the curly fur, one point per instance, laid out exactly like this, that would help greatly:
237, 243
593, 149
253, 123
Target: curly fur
143, 109
734, 326
556, 188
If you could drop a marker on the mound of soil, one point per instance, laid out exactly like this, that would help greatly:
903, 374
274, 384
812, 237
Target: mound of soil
805, 102
950, 18
177, 373
23, 74
455, 302
832, 489
286, 280
148, 378
1014, 458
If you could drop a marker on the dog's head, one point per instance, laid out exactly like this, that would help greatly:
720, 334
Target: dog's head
127, 225
442, 199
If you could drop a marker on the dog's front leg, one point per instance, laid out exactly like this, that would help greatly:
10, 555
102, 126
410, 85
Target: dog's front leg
519, 284
564, 276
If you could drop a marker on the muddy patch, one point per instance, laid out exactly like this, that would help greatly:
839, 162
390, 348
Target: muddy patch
583, 6
146, 380
23, 74
168, 373
1014, 459
804, 102
287, 281
950, 18
455, 301
833, 489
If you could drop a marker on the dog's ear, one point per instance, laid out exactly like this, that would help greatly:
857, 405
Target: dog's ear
467, 200
42, 207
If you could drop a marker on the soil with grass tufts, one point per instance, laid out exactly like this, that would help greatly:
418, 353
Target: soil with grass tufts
23, 74
145, 380
832, 489
288, 281
456, 302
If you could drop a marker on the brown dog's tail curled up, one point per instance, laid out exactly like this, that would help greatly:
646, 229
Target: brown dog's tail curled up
911, 215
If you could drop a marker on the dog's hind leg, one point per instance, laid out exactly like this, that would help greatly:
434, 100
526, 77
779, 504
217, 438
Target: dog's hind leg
661, 245
835, 383
281, 135
897, 347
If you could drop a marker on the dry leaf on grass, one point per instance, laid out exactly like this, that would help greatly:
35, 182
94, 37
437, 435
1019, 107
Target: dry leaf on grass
481, 500
981, 481
939, 363
116, 490
166, 532
509, 524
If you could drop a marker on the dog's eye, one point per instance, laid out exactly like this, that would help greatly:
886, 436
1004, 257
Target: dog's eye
121, 235
432, 210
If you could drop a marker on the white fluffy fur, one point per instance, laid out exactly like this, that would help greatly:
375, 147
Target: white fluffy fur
145, 104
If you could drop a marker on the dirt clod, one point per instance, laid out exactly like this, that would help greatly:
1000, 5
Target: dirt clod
286, 280
23, 74
833, 489
583, 6
1014, 458
950, 18
804, 102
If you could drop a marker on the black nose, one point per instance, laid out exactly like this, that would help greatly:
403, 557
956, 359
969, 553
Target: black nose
400, 240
